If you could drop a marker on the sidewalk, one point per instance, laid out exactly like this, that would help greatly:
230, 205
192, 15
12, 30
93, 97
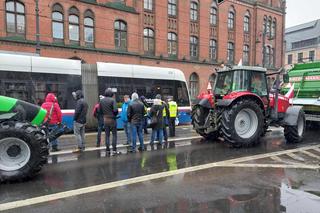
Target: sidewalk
68, 142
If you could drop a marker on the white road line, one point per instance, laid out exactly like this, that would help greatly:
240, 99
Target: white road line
276, 158
100, 187
295, 157
311, 154
295, 166
119, 146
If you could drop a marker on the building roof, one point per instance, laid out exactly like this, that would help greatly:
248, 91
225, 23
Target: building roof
302, 32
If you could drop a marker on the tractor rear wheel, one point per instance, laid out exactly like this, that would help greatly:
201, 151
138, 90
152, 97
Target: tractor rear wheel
295, 134
243, 123
199, 116
23, 151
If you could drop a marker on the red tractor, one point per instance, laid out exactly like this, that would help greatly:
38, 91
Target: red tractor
241, 108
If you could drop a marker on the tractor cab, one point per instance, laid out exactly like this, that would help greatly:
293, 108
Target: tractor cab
241, 79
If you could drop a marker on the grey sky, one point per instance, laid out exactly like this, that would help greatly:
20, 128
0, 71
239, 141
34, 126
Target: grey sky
299, 12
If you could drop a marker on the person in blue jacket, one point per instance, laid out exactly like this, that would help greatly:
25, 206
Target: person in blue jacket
124, 118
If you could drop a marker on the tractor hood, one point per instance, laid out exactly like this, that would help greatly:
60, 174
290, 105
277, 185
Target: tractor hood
15, 109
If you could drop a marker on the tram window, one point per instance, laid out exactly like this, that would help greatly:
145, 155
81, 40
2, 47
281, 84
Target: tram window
181, 97
122, 86
61, 85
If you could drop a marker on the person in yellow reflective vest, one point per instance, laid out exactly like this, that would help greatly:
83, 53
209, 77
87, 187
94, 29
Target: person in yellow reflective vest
173, 113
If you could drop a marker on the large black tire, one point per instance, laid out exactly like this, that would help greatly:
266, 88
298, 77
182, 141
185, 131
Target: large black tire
295, 134
198, 116
242, 124
23, 151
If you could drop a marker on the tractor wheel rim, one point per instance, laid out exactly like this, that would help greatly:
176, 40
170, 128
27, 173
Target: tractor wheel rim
300, 127
14, 154
246, 123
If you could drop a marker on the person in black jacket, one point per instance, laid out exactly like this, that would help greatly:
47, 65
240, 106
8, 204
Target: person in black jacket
80, 119
109, 109
136, 112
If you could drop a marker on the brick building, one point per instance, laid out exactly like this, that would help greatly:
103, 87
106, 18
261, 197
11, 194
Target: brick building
195, 36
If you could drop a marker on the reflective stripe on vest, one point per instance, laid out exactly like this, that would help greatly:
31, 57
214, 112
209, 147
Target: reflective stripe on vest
173, 107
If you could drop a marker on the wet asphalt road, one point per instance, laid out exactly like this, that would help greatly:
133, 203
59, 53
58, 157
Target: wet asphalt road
222, 189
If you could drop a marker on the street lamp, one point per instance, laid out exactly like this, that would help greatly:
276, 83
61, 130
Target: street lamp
37, 28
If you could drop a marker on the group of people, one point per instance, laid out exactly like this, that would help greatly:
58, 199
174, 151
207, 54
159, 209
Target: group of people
134, 116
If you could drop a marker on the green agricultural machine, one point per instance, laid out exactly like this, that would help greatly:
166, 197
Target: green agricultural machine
306, 80
23, 139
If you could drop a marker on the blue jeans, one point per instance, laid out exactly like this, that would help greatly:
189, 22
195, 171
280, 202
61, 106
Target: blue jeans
137, 129
127, 130
53, 127
156, 132
100, 128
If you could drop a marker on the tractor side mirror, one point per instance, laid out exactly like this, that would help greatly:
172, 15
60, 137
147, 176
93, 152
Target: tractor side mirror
286, 78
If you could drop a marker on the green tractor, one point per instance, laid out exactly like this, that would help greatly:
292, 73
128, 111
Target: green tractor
24, 139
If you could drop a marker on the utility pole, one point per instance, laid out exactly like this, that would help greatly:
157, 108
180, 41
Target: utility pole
37, 28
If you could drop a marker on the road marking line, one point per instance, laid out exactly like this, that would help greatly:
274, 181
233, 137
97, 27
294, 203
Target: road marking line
119, 146
105, 186
276, 158
311, 154
295, 157
317, 149
295, 166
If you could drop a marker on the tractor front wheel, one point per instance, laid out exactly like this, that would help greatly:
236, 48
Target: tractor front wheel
295, 134
199, 116
23, 151
243, 123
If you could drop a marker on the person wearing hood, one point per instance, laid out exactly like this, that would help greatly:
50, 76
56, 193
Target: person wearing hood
53, 117
124, 118
80, 119
99, 116
136, 112
109, 109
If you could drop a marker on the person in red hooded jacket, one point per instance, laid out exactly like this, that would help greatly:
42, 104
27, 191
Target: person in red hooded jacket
54, 116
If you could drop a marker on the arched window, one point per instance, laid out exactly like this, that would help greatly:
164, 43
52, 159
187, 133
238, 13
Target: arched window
172, 7
194, 47
120, 34
246, 55
231, 16
274, 28
57, 22
265, 23
172, 44
148, 4
194, 11
246, 22
269, 23
74, 25
194, 85
148, 41
230, 53
213, 16
89, 28
15, 18
212, 80
268, 56
213, 50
